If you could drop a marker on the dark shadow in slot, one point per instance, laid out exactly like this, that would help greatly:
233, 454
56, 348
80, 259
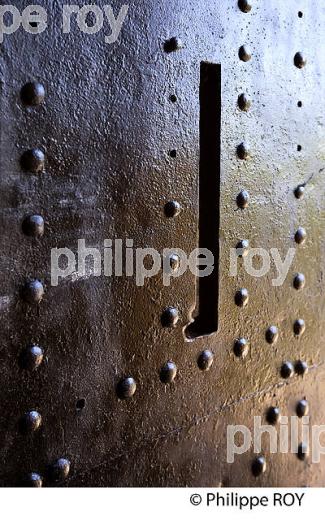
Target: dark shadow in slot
205, 314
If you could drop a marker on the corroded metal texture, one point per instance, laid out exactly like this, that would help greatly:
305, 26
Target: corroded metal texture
100, 383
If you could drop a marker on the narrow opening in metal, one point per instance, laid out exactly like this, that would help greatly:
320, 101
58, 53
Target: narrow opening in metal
205, 315
80, 404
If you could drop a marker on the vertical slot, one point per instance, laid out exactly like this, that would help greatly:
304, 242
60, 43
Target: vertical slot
205, 315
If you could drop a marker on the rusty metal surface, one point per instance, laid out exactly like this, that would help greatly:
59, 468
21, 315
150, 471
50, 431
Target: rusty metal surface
106, 129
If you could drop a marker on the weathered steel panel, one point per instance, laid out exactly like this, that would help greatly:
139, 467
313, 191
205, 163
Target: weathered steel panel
117, 147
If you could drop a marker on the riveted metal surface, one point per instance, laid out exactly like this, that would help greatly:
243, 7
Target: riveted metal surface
105, 144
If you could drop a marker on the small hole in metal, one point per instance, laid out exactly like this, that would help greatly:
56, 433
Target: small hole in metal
299, 104
80, 405
173, 98
90, 20
173, 153
299, 148
300, 14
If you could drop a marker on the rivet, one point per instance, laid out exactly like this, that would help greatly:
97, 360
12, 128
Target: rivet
272, 334
241, 348
299, 327
241, 298
172, 209
33, 226
33, 160
126, 388
300, 235
60, 470
168, 372
242, 199
174, 262
273, 415
33, 93
302, 408
33, 480
244, 53
31, 422
299, 281
258, 466
33, 291
173, 44
287, 370
205, 360
299, 192
299, 60
170, 317
244, 102
301, 368
32, 357
302, 453
243, 151
242, 248
244, 6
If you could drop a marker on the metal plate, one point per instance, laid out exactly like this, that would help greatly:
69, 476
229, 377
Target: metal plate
106, 127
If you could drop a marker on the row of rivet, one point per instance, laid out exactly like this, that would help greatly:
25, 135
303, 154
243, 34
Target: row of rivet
57, 472
126, 388
241, 296
241, 345
33, 161
288, 369
273, 414
300, 367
